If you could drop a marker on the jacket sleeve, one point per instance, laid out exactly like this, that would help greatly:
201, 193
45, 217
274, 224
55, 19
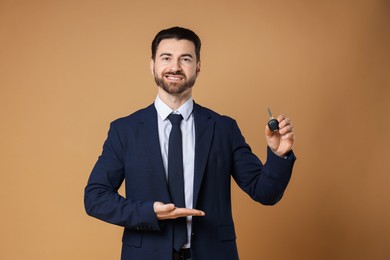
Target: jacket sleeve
101, 197
263, 183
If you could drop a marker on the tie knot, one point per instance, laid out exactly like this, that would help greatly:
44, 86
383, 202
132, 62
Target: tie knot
175, 119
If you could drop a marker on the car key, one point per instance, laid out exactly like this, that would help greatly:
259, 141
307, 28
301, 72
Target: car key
273, 124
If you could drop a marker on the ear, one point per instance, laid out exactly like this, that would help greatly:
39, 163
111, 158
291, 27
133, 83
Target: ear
198, 68
151, 66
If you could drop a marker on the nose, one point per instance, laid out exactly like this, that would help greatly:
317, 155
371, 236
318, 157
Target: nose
175, 66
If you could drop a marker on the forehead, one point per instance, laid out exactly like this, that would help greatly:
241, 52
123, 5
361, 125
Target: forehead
174, 46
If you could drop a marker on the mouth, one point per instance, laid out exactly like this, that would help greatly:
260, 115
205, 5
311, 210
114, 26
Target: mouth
175, 78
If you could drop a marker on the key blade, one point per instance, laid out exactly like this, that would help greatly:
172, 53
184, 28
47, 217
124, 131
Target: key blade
269, 112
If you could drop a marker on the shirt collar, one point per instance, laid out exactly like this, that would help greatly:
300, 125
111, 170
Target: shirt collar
164, 110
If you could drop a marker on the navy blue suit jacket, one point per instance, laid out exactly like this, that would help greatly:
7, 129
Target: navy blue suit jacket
132, 153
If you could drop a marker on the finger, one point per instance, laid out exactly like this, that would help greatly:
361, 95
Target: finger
169, 207
268, 132
285, 126
165, 212
290, 136
160, 207
281, 117
185, 212
286, 129
284, 122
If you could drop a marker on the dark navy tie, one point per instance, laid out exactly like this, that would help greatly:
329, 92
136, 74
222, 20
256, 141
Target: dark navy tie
176, 179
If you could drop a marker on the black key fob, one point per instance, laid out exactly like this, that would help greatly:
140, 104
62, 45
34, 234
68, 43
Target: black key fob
273, 124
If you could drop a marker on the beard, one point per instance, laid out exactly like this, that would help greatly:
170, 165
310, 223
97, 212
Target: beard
174, 88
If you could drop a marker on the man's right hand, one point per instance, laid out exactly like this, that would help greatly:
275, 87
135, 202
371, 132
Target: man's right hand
169, 211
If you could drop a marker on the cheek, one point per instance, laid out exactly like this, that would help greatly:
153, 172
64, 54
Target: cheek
160, 69
194, 71
157, 71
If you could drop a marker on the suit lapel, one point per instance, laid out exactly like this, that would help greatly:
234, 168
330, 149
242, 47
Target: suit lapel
152, 145
204, 130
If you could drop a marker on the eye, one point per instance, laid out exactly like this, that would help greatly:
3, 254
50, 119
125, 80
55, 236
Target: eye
186, 60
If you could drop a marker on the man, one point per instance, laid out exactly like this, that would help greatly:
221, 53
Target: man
187, 215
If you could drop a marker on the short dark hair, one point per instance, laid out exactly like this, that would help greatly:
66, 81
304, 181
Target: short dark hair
178, 33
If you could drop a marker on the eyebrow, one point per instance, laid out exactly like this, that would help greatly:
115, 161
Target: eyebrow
169, 54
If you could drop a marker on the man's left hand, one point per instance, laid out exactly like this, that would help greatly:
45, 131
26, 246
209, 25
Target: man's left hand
281, 141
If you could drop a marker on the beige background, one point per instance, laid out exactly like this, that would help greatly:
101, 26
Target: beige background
68, 68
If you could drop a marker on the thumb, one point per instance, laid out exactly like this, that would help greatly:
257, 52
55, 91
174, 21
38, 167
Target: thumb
161, 207
169, 207
268, 132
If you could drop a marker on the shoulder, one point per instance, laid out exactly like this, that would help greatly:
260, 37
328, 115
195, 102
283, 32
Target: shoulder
211, 114
135, 118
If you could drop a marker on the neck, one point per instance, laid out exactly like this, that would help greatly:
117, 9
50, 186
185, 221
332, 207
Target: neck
174, 101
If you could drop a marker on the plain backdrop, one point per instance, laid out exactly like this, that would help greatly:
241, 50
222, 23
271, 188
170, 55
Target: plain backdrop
69, 68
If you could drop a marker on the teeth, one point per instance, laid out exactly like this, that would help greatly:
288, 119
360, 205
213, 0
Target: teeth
173, 78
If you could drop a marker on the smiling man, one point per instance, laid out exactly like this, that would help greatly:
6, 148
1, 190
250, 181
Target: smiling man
177, 159
176, 66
